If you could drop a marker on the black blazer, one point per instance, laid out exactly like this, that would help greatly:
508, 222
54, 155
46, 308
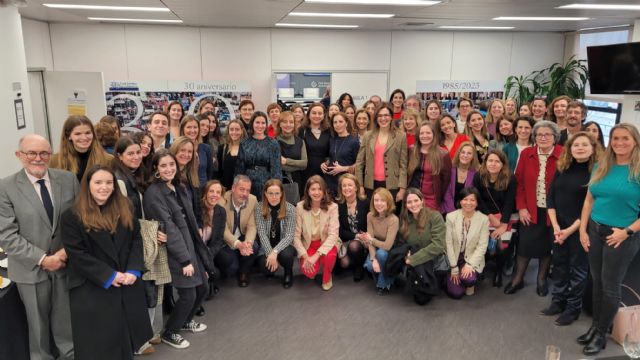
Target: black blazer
162, 204
97, 313
218, 223
362, 207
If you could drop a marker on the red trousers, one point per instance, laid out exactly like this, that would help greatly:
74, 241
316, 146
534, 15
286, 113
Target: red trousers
327, 261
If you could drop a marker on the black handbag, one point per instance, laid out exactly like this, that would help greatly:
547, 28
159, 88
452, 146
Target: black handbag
151, 293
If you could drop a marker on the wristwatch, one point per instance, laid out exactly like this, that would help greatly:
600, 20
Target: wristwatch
629, 231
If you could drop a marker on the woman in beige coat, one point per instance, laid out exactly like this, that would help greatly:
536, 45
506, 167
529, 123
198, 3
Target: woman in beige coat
316, 235
466, 243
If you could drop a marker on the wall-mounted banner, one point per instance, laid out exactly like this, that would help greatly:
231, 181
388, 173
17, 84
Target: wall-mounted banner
449, 91
133, 101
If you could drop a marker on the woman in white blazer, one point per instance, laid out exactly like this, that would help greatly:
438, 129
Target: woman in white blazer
466, 243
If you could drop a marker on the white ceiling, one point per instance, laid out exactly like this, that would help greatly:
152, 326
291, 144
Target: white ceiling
266, 13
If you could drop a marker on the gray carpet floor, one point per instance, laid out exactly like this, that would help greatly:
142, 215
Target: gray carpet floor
267, 322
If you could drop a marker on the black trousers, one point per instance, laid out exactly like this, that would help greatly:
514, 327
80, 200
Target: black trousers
189, 299
230, 262
608, 268
570, 270
286, 258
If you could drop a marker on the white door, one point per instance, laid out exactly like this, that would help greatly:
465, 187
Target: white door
38, 104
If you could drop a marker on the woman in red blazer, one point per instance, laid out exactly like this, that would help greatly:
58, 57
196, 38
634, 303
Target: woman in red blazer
534, 173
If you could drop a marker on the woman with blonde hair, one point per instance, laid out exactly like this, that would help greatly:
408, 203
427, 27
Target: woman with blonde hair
464, 166
557, 111
228, 154
511, 108
497, 111
382, 229
183, 149
409, 122
79, 147
352, 211
609, 228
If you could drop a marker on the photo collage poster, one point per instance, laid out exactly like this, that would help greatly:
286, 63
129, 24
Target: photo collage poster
132, 102
448, 92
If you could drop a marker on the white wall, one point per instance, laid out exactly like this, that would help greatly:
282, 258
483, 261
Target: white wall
13, 70
139, 52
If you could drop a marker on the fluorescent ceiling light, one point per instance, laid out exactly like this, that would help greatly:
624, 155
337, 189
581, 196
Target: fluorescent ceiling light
605, 27
135, 20
455, 27
600, 6
317, 26
341, 15
378, 2
103, 7
540, 18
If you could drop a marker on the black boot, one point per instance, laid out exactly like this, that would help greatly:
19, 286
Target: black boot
288, 281
597, 343
497, 279
585, 338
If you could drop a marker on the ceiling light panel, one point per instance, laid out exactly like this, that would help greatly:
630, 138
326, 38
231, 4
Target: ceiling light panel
605, 27
135, 20
341, 15
377, 2
105, 7
325, 26
455, 27
600, 7
540, 18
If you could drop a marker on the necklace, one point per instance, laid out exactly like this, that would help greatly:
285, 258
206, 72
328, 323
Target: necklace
337, 149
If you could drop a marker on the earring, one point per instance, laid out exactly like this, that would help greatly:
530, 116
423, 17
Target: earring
156, 175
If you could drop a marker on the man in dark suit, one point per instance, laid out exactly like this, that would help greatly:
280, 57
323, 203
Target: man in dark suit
31, 202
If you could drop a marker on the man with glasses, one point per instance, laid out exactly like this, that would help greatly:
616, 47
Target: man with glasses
465, 105
31, 202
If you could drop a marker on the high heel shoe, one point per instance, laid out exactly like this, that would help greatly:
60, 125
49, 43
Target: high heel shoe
597, 344
288, 281
585, 338
512, 289
497, 279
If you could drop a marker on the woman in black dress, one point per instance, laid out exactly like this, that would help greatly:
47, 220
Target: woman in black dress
106, 296
228, 154
497, 187
316, 135
343, 151
564, 205
352, 212
293, 152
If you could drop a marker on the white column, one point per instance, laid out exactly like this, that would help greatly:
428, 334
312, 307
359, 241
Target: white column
629, 114
13, 86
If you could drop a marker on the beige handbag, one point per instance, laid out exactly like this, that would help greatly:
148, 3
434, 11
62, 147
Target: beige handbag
622, 321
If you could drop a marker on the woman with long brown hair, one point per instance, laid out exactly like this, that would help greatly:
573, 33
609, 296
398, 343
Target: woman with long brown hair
176, 113
316, 133
106, 295
276, 224
557, 111
79, 147
214, 218
477, 132
316, 234
429, 167
190, 127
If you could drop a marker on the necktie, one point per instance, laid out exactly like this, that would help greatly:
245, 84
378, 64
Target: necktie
46, 200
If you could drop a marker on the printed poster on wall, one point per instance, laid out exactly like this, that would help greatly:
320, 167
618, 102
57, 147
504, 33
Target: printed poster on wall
449, 91
131, 102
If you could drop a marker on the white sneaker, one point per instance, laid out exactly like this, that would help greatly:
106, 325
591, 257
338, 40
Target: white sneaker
194, 327
175, 340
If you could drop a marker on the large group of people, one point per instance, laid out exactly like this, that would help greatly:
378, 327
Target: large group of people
153, 219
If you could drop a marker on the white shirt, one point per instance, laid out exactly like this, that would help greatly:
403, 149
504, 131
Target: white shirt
36, 185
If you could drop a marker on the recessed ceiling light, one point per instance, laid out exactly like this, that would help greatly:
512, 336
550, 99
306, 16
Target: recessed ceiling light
605, 27
135, 20
540, 18
104, 7
378, 2
600, 6
317, 26
341, 15
455, 27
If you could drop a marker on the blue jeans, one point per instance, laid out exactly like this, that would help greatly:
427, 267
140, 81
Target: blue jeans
382, 280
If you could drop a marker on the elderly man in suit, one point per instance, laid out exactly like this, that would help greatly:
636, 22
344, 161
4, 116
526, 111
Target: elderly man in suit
31, 202
240, 231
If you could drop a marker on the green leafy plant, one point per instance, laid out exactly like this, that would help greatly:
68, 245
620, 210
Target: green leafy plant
559, 79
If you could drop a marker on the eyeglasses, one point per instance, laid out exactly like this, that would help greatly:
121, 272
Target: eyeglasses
544, 136
32, 155
270, 194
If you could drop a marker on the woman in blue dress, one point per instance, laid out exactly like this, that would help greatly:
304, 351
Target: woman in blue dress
259, 155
